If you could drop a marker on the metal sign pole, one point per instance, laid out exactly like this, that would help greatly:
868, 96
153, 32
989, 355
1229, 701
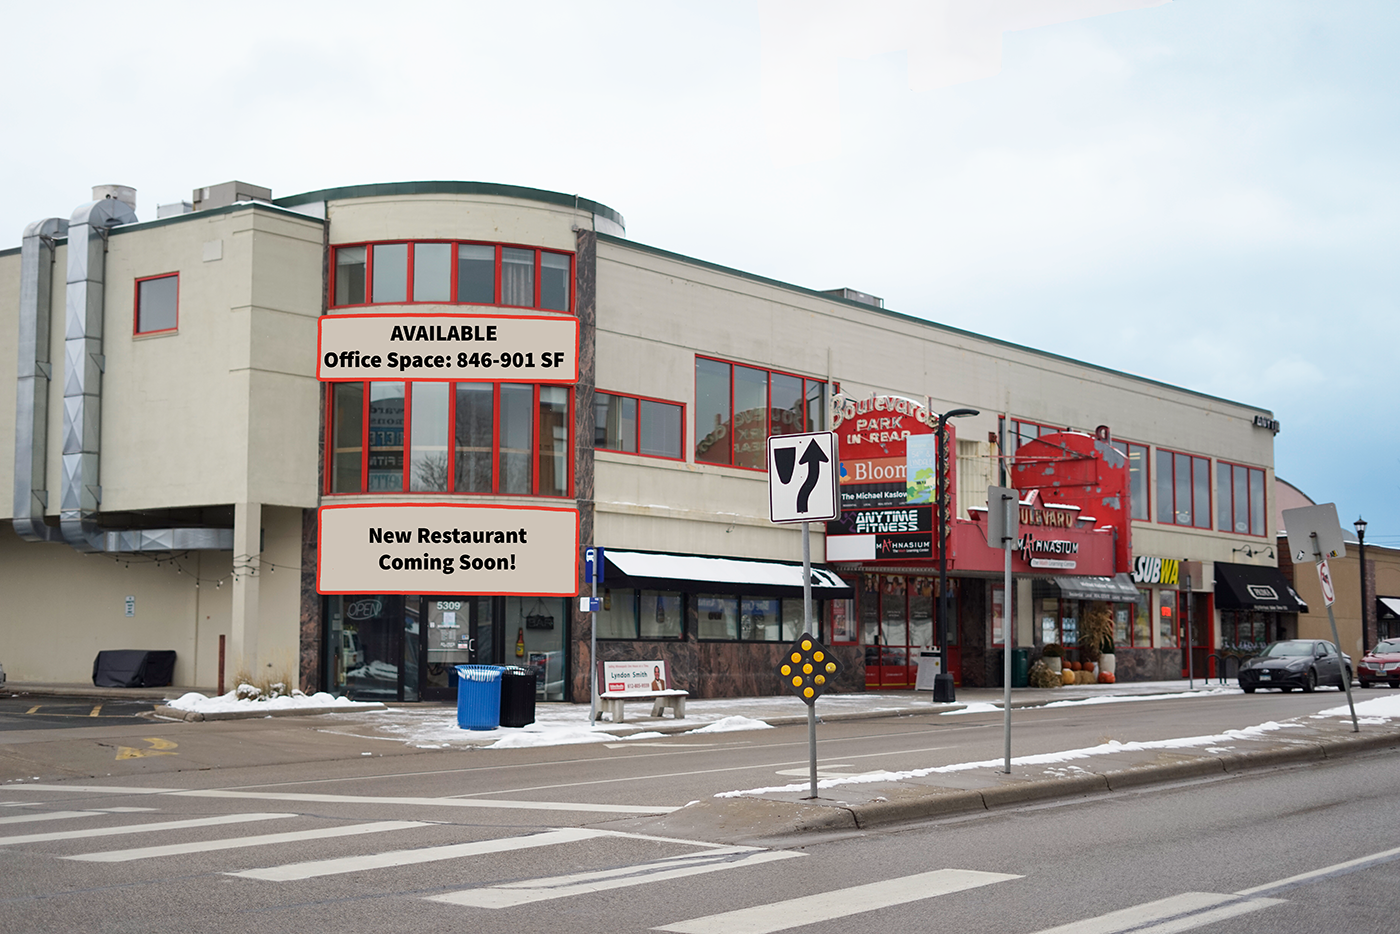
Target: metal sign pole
1337, 643
1008, 639
807, 627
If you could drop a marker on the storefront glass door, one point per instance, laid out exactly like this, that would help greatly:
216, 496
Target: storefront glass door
897, 621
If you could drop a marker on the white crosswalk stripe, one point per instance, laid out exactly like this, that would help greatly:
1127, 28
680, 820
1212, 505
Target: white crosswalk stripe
234, 843
1167, 915
675, 867
139, 828
838, 903
330, 867
47, 815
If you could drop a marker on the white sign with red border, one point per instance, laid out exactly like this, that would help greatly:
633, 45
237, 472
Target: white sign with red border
1324, 575
533, 348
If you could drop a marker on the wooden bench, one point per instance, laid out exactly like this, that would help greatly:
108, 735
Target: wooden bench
619, 682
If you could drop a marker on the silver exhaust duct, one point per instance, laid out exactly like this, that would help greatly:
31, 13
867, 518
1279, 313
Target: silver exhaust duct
35, 371
83, 364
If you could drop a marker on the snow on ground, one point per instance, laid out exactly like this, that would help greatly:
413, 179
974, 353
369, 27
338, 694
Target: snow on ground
733, 725
230, 702
1112, 747
1386, 707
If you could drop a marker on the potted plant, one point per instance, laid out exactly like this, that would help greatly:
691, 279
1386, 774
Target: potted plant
1096, 631
1053, 656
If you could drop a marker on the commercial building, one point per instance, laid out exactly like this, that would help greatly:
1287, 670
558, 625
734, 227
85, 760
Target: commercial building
186, 440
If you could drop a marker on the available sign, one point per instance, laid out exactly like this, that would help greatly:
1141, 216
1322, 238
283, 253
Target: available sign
535, 348
410, 548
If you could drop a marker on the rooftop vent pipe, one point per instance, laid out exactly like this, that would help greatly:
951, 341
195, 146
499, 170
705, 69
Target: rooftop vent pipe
32, 389
83, 363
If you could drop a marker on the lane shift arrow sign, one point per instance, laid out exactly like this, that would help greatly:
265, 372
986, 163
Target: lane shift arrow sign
813, 457
803, 496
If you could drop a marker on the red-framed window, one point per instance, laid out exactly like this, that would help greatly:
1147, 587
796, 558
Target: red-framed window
441, 437
1132, 622
639, 425
157, 304
737, 408
1139, 479
1168, 620
1239, 494
1019, 431
1183, 489
451, 272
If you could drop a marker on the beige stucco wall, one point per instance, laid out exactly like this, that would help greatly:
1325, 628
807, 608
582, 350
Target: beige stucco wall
450, 216
655, 311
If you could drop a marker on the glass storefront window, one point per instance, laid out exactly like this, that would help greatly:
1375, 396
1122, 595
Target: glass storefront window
516, 430
390, 272
350, 275
534, 629
1142, 619
554, 441
554, 281
718, 617
475, 424
386, 404
517, 277
760, 619
432, 272
476, 274
428, 457
661, 614
347, 435
1168, 625
617, 618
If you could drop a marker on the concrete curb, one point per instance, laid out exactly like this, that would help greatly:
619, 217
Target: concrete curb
192, 716
786, 818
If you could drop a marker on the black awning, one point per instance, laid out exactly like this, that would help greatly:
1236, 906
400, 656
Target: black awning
1253, 587
733, 576
1116, 589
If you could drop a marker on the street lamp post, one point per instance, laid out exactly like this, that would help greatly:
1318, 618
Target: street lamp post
1366, 637
943, 692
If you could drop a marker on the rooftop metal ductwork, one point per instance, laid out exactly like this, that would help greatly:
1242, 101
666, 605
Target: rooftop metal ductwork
32, 389
83, 365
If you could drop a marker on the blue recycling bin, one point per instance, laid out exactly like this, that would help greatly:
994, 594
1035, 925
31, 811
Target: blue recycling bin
479, 697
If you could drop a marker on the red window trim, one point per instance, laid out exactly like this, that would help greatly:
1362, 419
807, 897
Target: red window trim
328, 468
639, 452
1249, 506
409, 298
1210, 492
136, 305
768, 408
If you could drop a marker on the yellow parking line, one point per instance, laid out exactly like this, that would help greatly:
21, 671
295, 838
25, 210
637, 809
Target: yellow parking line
34, 708
96, 710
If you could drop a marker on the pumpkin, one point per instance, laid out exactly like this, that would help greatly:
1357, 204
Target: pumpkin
1066, 676
1106, 677
1073, 666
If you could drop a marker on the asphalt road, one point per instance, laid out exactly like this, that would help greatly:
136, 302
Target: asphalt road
536, 839
39, 712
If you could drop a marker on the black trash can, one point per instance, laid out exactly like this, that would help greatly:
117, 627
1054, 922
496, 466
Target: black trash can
517, 697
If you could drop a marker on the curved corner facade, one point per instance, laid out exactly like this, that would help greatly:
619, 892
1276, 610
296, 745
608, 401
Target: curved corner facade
221, 452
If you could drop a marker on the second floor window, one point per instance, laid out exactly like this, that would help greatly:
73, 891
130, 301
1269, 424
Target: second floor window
157, 303
452, 273
638, 426
1137, 476
439, 437
1183, 489
1239, 493
738, 407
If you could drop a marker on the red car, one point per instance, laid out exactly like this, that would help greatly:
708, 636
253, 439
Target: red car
1381, 664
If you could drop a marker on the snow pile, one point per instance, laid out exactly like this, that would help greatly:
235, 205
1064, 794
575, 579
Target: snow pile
1382, 708
1105, 749
241, 699
732, 725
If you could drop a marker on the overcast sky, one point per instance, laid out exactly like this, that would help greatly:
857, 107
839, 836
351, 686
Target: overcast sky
1202, 192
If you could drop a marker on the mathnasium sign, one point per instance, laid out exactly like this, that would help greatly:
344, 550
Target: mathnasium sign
411, 548
533, 348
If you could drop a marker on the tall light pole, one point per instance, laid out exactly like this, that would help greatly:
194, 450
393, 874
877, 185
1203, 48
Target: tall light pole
1366, 638
943, 692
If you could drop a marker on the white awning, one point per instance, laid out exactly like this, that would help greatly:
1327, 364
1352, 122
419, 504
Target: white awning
1392, 604
727, 575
